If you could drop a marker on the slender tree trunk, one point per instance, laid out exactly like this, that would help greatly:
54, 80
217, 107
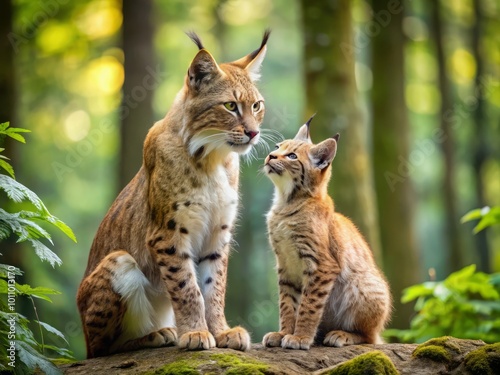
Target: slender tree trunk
136, 112
396, 197
480, 152
453, 230
331, 92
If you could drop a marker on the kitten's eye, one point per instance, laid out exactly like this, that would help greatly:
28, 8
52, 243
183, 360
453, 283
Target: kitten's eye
231, 106
257, 106
292, 156
276, 147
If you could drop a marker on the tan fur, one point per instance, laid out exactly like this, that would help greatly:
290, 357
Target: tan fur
331, 290
175, 218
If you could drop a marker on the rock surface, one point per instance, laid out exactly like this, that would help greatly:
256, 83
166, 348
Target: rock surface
438, 356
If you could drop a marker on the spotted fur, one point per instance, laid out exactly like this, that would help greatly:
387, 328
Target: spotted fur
331, 290
156, 272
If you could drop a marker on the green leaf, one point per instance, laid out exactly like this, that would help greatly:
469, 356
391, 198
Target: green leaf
17, 137
7, 167
52, 330
32, 359
44, 253
473, 215
421, 290
492, 217
38, 292
18, 192
3, 126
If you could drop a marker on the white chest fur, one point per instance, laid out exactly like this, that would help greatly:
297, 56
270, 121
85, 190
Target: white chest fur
208, 214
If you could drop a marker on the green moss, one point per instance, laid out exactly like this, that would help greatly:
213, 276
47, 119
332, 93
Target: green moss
484, 361
181, 367
239, 365
371, 363
441, 349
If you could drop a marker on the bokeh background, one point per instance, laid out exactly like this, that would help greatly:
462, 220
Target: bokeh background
411, 86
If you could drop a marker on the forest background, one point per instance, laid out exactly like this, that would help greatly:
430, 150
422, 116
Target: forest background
411, 86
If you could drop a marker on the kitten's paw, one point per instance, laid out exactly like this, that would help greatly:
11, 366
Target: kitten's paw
273, 339
197, 340
339, 339
234, 338
297, 342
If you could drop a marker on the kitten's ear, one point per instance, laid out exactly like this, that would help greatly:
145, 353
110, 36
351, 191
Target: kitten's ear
253, 61
203, 67
303, 133
323, 153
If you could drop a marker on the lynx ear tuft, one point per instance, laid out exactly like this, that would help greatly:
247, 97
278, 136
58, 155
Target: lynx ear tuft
253, 61
195, 38
304, 134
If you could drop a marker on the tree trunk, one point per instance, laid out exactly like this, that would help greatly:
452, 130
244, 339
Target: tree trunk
480, 152
136, 111
453, 231
331, 92
396, 197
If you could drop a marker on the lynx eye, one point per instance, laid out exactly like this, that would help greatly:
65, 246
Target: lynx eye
292, 156
231, 106
257, 106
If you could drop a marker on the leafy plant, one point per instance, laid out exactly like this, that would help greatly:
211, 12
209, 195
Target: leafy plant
20, 351
488, 217
465, 305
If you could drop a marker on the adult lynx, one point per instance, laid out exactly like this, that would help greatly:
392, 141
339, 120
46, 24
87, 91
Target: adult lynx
176, 217
331, 290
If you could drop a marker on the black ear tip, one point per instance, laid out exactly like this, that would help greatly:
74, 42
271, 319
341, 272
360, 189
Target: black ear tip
336, 137
310, 119
195, 38
265, 37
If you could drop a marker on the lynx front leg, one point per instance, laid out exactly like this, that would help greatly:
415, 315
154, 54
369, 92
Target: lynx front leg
213, 276
178, 273
314, 296
289, 299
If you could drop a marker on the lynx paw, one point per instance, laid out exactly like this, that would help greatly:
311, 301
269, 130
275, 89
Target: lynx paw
272, 339
166, 336
234, 338
296, 342
339, 339
197, 340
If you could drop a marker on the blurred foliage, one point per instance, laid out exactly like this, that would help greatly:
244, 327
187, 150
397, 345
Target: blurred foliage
488, 217
15, 331
69, 74
464, 305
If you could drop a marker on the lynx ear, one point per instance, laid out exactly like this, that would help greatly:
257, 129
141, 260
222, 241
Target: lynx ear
303, 133
323, 153
203, 67
253, 61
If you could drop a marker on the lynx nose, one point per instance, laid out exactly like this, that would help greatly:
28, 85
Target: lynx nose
251, 134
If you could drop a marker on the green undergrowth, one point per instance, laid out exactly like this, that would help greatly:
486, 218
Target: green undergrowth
371, 363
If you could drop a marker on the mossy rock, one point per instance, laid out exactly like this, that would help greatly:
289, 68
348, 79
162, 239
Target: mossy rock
239, 365
232, 364
441, 349
371, 363
181, 367
484, 361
